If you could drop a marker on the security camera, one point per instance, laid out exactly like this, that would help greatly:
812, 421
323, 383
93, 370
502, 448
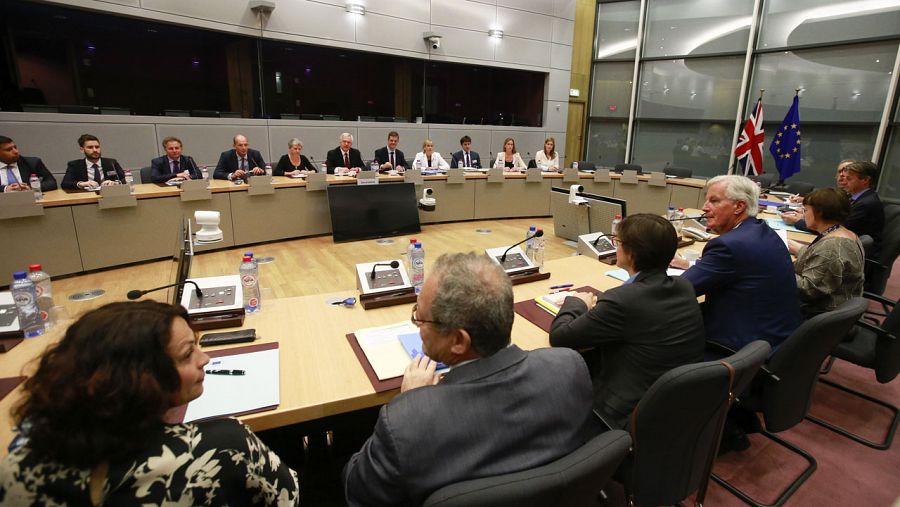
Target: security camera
262, 6
432, 39
574, 198
427, 203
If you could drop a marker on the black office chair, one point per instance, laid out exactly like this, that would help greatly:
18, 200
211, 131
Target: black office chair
629, 167
783, 389
878, 271
574, 480
532, 164
676, 429
877, 348
891, 212
678, 172
766, 180
799, 187
586, 166
145, 175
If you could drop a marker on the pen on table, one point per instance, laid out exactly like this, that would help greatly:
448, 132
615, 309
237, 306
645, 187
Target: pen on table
563, 286
225, 372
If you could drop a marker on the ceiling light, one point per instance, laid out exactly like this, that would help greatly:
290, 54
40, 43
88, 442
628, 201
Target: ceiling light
495, 33
354, 8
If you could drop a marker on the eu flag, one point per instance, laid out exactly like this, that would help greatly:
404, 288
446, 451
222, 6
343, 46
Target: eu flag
785, 146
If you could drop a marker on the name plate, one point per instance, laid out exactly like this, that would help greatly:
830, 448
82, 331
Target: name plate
413, 176
601, 175
657, 179
195, 190
116, 196
367, 178
456, 176
533, 175
570, 175
19, 204
261, 185
316, 181
495, 175
630, 177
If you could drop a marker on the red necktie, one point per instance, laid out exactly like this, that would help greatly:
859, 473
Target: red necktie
346, 161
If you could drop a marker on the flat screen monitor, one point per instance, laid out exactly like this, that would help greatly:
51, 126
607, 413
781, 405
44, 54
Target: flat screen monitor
373, 211
184, 252
571, 221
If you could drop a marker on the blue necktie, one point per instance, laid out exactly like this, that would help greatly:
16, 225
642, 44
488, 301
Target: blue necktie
10, 175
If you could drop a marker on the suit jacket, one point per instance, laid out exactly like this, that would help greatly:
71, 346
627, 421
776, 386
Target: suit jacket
866, 217
511, 411
748, 279
285, 166
457, 158
381, 156
437, 161
76, 171
640, 330
518, 163
228, 162
336, 159
33, 165
161, 172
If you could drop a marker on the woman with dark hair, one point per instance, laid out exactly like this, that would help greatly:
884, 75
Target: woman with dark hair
94, 426
830, 270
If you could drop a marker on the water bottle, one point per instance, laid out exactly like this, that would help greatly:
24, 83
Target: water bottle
409, 249
24, 295
670, 213
268, 169
249, 285
35, 184
129, 180
678, 224
374, 166
529, 244
539, 253
418, 267
43, 291
615, 224
323, 168
204, 171
575, 165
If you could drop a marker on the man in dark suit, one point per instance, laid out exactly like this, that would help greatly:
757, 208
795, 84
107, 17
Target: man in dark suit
465, 157
91, 171
641, 329
499, 410
173, 165
746, 273
16, 170
234, 164
390, 157
344, 155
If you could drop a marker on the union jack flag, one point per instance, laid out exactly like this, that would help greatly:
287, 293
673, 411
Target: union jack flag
750, 144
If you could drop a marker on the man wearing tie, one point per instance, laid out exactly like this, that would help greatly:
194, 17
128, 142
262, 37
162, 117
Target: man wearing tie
235, 163
16, 171
173, 165
92, 170
344, 155
465, 157
390, 157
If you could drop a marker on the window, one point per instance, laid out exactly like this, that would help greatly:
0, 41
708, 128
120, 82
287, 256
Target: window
697, 27
791, 23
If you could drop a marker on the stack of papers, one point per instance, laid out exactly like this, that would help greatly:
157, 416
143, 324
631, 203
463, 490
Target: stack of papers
552, 302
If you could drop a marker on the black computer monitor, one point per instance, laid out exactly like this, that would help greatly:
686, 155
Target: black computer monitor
184, 252
571, 221
372, 211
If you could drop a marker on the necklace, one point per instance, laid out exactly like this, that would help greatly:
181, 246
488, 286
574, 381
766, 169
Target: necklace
826, 232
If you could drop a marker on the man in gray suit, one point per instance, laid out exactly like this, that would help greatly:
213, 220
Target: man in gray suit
499, 410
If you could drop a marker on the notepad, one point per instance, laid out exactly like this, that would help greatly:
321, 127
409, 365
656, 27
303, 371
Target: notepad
779, 225
551, 303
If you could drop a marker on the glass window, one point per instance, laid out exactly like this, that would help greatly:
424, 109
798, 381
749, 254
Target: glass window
789, 23
617, 30
704, 147
841, 84
696, 88
697, 27
611, 94
889, 182
606, 141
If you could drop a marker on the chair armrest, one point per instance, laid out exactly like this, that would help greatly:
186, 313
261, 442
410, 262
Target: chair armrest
719, 348
881, 299
602, 420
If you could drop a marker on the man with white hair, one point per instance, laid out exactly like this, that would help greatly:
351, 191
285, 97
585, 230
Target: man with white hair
344, 155
746, 273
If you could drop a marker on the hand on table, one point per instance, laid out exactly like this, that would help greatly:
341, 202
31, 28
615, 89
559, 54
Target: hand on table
679, 262
791, 217
15, 187
419, 373
589, 298
258, 172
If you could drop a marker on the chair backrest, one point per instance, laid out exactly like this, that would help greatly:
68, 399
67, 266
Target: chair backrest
532, 164
767, 180
145, 175
628, 167
573, 480
584, 165
891, 212
675, 431
887, 348
878, 274
746, 362
797, 360
680, 172
799, 187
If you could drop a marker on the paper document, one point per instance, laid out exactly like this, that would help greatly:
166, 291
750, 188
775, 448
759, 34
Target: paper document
222, 395
783, 235
383, 348
621, 274
551, 303
779, 225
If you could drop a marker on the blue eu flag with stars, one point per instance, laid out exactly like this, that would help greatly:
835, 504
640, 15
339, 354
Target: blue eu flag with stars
785, 146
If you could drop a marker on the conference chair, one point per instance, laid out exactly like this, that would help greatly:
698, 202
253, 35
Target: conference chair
628, 167
891, 211
289, 116
783, 388
799, 187
766, 180
586, 166
678, 172
177, 112
309, 116
575, 480
676, 428
532, 164
878, 271
876, 348
146, 175
78, 109
115, 110
39, 108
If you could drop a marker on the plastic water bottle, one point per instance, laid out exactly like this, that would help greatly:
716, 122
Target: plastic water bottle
204, 171
268, 169
615, 224
35, 183
409, 249
529, 244
374, 166
418, 267
129, 180
323, 168
250, 285
678, 224
575, 165
670, 213
24, 295
43, 291
539, 253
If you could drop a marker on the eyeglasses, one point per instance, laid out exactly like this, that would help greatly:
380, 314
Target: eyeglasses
418, 322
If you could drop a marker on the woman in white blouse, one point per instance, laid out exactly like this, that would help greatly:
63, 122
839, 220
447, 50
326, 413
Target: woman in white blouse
428, 158
547, 159
509, 158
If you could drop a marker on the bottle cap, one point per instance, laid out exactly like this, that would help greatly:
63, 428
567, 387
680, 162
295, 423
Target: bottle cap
418, 245
19, 275
618, 216
531, 228
248, 254
412, 240
35, 267
247, 258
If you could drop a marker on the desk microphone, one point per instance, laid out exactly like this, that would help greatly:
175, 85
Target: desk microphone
393, 264
194, 165
537, 234
700, 217
597, 240
135, 294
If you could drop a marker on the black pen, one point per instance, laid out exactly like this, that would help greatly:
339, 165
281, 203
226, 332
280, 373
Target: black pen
225, 372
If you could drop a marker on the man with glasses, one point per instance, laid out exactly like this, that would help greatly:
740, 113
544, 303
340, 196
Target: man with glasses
498, 410
638, 330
